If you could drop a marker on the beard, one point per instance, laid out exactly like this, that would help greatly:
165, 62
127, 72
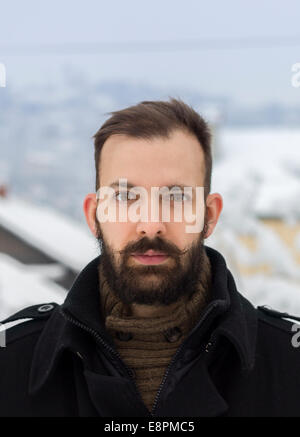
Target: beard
161, 284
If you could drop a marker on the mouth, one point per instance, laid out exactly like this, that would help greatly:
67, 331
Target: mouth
150, 257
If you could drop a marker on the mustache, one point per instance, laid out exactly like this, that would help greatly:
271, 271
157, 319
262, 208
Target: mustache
156, 244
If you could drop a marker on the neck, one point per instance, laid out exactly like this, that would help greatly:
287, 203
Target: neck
150, 311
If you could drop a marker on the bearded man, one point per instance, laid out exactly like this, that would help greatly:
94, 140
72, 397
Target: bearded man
154, 326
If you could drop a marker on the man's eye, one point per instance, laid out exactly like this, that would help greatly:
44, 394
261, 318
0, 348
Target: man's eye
179, 197
123, 196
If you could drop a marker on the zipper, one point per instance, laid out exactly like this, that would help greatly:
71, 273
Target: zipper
111, 350
160, 389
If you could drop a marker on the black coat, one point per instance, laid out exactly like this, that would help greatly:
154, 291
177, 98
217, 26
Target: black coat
237, 361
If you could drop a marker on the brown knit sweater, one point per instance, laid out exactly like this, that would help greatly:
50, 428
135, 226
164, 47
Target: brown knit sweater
147, 345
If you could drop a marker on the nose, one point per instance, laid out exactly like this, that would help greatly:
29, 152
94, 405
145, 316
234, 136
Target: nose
150, 229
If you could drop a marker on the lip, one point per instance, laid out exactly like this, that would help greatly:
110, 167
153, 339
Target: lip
150, 257
150, 252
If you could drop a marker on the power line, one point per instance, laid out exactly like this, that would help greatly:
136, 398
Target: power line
82, 48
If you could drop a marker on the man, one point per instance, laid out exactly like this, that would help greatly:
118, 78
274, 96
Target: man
154, 326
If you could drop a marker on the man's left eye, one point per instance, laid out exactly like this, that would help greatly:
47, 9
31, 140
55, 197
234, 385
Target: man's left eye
179, 197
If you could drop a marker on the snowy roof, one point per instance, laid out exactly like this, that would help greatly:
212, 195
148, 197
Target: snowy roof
53, 233
24, 285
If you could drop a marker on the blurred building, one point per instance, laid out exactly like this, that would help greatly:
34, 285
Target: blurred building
41, 252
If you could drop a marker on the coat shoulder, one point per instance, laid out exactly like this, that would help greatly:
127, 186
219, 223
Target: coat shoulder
25, 322
278, 319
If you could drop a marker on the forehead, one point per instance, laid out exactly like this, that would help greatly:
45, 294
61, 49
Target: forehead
153, 162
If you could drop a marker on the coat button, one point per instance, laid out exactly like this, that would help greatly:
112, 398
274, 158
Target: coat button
45, 308
132, 373
208, 346
124, 336
173, 334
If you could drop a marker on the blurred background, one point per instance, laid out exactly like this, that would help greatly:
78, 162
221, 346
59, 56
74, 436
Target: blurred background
65, 64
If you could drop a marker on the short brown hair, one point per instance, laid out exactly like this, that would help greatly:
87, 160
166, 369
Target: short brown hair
151, 119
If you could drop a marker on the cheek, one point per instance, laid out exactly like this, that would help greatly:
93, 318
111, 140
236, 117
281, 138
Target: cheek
178, 235
116, 234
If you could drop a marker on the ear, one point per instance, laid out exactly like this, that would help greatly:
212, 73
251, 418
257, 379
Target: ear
90, 208
214, 205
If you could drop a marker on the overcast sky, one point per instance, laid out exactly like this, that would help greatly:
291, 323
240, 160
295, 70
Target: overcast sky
246, 74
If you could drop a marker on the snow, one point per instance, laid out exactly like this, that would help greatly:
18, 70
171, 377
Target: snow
266, 162
297, 242
24, 285
57, 235
259, 176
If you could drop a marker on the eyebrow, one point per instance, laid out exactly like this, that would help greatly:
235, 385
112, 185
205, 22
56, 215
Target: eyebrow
130, 185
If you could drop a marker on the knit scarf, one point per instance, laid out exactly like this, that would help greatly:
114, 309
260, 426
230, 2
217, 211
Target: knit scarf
147, 345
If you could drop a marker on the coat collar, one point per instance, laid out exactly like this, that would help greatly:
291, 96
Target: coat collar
237, 320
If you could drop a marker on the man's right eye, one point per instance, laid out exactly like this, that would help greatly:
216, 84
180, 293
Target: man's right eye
124, 196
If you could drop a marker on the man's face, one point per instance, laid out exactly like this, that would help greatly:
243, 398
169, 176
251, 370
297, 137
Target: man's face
151, 262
